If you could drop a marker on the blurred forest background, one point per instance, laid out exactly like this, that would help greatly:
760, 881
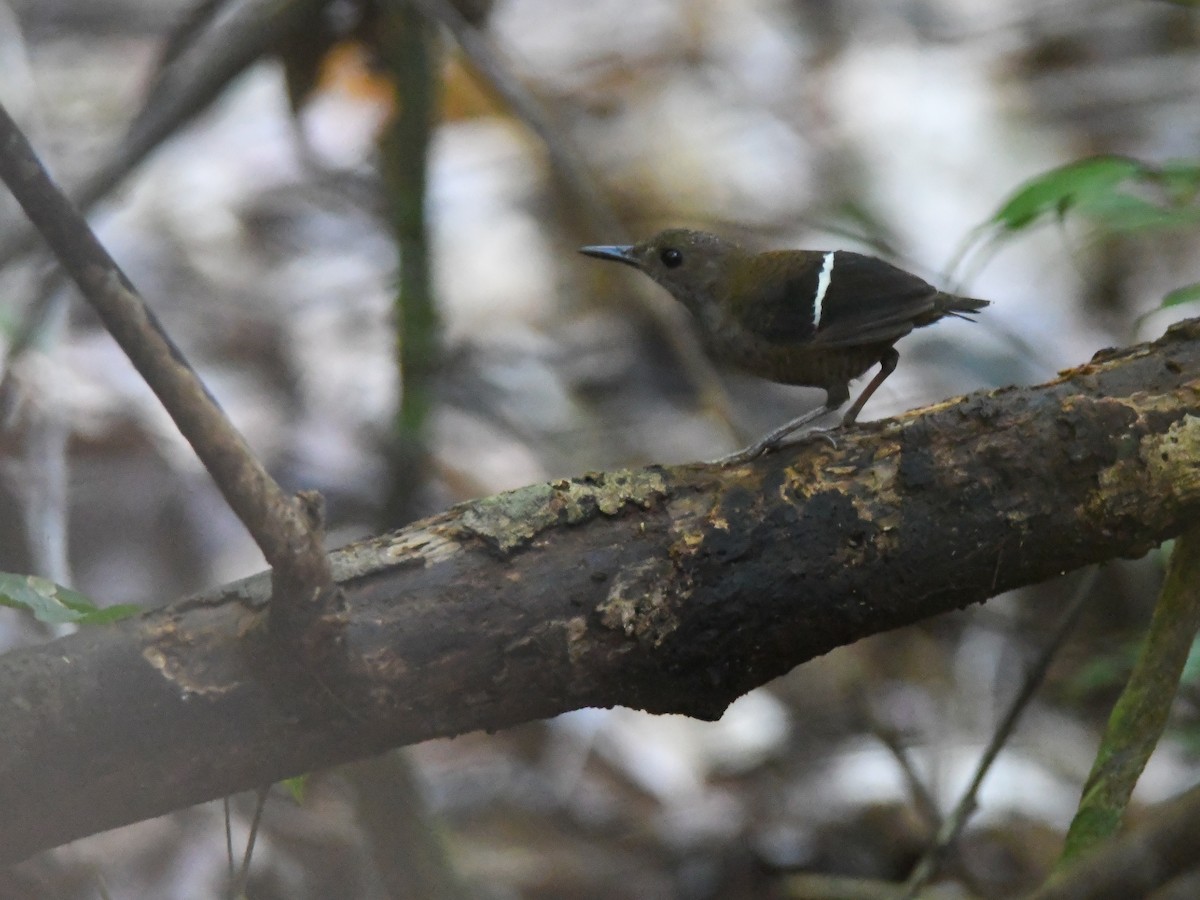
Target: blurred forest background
271, 233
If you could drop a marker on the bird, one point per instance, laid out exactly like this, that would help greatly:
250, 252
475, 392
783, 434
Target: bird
818, 318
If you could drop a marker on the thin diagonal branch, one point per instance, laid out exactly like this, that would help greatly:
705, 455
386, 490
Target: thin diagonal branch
954, 823
278, 523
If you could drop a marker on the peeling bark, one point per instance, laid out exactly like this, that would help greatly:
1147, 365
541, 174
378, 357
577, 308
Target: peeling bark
669, 589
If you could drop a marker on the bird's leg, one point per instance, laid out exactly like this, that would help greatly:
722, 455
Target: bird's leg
887, 365
772, 439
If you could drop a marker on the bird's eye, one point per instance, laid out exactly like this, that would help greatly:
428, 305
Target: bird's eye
671, 258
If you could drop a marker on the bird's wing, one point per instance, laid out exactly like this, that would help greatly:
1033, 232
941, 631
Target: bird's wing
866, 301
870, 301
779, 307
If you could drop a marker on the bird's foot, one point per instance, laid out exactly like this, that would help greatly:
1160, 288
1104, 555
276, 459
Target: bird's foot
773, 439
772, 442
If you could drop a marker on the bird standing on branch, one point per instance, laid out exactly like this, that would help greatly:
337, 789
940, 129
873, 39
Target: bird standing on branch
806, 317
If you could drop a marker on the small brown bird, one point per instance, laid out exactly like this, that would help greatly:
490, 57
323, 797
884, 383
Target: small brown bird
808, 317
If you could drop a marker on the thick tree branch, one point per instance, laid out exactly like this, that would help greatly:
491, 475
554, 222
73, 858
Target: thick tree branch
669, 589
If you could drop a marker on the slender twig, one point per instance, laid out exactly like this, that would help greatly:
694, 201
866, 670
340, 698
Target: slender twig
279, 524
228, 838
954, 823
922, 798
238, 887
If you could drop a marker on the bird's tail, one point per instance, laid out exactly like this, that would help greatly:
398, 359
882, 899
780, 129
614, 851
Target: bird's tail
960, 307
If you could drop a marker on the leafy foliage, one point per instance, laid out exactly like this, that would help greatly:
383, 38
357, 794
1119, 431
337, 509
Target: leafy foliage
1116, 195
56, 605
1187, 294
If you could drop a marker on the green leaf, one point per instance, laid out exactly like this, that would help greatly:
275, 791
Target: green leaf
297, 787
1118, 193
1122, 212
1057, 191
1187, 294
54, 604
106, 615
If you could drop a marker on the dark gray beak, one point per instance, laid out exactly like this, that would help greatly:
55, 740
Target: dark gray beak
622, 253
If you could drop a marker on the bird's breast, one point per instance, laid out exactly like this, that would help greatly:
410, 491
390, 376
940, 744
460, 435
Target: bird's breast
798, 363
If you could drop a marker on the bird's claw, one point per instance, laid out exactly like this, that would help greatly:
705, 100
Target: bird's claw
772, 442
742, 456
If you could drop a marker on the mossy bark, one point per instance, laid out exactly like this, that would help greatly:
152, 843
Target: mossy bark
669, 589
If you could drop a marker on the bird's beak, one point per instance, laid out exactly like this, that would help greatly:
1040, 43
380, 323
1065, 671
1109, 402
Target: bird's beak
622, 253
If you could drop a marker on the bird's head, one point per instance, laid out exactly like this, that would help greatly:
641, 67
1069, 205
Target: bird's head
693, 265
